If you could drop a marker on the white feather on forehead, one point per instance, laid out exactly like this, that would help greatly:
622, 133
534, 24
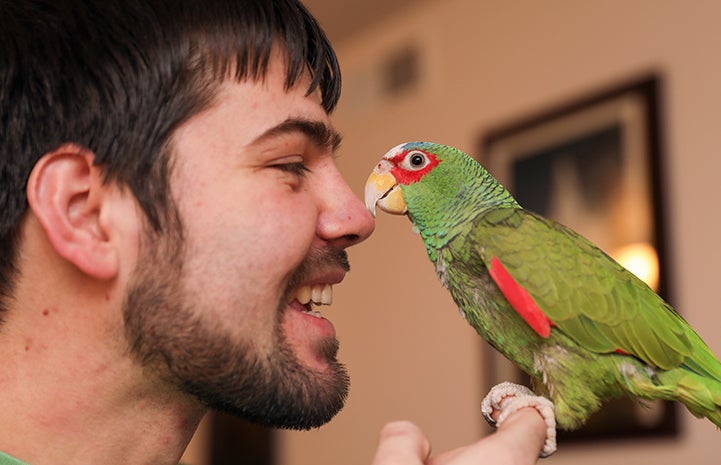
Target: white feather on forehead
394, 151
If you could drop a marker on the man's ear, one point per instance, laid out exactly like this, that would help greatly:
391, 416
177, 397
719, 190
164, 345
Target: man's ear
67, 195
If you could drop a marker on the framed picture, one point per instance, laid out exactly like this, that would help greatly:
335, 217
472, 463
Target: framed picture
594, 165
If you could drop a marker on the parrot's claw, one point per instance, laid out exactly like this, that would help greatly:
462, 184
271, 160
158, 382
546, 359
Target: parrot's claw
508, 398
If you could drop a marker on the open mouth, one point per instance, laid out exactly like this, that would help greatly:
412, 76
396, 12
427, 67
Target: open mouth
316, 294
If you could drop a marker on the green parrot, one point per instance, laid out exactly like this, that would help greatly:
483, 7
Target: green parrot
583, 327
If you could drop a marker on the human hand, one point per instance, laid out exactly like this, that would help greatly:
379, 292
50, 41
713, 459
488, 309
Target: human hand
518, 441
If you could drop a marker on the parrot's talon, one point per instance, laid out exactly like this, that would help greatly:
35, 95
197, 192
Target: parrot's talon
489, 419
507, 398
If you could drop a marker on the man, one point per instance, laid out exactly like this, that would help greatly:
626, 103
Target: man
170, 205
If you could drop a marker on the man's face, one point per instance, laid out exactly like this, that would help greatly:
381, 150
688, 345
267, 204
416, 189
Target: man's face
265, 219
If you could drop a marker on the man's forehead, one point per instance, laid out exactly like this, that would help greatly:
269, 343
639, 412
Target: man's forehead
275, 73
261, 107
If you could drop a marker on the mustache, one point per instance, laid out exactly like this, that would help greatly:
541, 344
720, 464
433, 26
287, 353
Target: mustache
319, 259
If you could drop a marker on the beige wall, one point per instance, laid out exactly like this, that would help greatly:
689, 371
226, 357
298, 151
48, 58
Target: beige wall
487, 62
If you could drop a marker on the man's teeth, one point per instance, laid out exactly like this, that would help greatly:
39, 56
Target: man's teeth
319, 294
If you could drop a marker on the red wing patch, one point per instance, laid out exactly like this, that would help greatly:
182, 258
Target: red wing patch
520, 299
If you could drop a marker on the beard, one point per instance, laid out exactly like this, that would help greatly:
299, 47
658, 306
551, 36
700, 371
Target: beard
175, 341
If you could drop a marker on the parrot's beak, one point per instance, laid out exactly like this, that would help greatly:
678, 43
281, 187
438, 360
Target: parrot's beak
382, 190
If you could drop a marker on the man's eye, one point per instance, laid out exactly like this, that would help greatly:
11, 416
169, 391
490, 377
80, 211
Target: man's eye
298, 169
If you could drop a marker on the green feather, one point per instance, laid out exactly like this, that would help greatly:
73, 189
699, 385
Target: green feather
466, 218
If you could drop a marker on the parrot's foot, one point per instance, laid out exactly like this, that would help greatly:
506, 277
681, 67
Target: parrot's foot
509, 397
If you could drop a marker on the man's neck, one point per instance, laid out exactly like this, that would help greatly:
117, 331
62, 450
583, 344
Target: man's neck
71, 393
67, 405
63, 403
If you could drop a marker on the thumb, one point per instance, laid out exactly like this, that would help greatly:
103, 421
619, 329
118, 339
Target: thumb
402, 442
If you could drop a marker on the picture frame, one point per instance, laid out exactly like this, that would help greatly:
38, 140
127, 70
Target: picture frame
594, 164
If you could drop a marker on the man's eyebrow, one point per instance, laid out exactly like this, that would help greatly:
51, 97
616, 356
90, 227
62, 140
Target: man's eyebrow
319, 132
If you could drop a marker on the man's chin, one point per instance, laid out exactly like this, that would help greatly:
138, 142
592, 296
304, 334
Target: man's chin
295, 397
293, 387
312, 339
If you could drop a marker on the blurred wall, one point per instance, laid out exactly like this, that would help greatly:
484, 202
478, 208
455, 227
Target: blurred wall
486, 63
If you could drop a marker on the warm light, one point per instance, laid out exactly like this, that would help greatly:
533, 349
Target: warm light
640, 259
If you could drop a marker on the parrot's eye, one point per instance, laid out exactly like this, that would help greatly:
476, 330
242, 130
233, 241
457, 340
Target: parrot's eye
416, 160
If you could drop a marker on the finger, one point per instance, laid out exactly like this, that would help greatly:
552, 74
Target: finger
527, 429
517, 441
402, 442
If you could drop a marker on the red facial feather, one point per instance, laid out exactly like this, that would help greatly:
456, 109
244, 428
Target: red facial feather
405, 175
520, 299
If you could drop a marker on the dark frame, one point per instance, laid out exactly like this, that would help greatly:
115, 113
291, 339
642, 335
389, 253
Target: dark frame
612, 135
236, 441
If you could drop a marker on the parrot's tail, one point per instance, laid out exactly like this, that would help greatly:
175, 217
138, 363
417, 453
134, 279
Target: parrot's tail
700, 394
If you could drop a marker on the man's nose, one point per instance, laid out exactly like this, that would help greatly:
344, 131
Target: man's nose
344, 220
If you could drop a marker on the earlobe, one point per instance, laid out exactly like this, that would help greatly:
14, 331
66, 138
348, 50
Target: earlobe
67, 195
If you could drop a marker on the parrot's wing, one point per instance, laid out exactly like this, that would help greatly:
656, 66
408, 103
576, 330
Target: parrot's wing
582, 292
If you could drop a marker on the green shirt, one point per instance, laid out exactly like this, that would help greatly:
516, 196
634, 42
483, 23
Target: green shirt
8, 460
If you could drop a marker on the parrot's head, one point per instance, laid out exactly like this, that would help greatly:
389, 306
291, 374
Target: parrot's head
403, 165
435, 185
